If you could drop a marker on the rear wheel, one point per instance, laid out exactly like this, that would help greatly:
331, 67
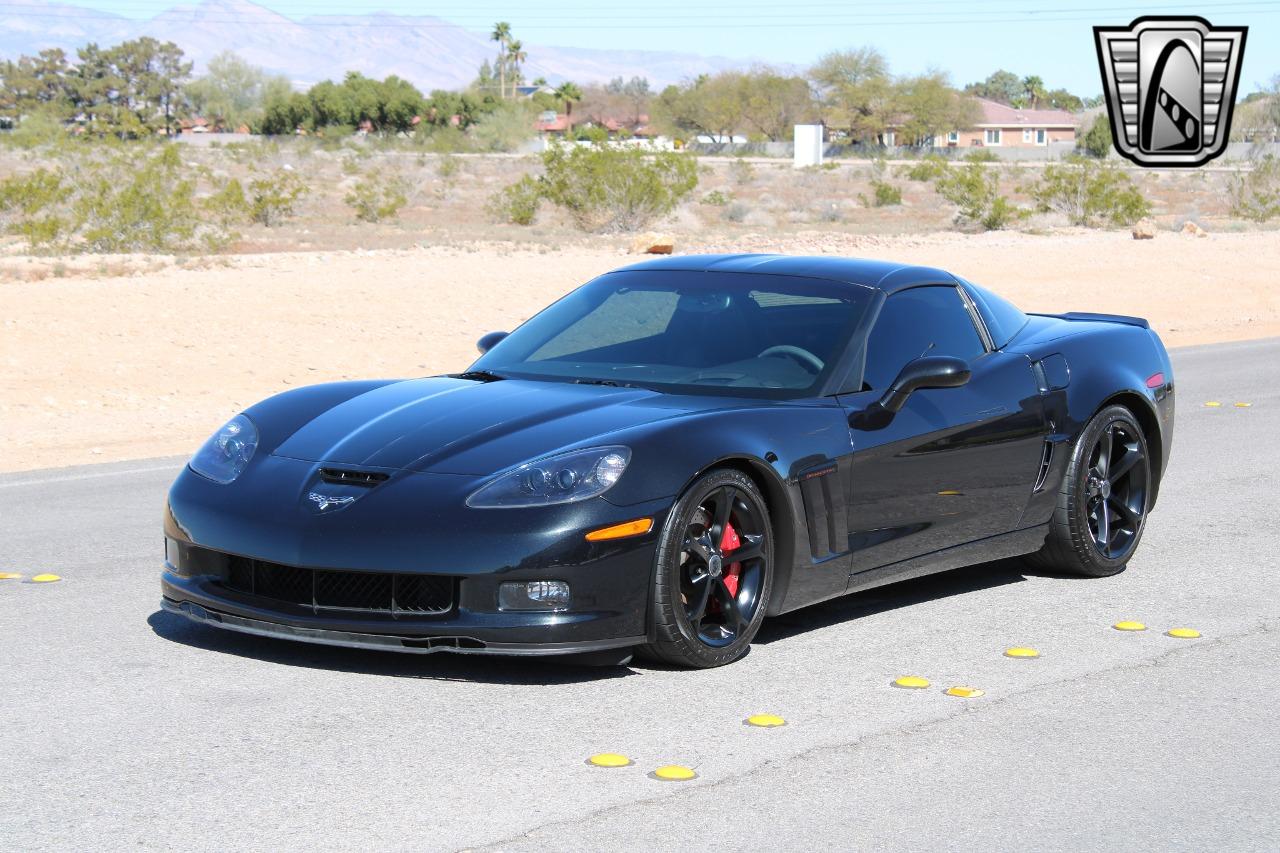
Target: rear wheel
1102, 505
714, 573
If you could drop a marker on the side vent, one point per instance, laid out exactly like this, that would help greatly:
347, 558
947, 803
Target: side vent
353, 478
824, 511
1046, 459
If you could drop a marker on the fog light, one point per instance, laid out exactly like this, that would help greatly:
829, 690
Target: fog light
534, 595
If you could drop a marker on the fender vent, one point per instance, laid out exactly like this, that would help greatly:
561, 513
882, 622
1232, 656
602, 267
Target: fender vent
1046, 459
353, 478
822, 490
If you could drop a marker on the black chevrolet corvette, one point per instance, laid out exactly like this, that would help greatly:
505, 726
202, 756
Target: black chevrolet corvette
671, 453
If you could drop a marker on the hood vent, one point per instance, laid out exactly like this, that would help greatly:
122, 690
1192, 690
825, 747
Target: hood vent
353, 478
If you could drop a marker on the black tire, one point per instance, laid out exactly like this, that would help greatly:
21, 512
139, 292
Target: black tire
1104, 498
693, 569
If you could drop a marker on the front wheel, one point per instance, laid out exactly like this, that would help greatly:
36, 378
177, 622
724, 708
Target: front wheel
714, 572
1103, 502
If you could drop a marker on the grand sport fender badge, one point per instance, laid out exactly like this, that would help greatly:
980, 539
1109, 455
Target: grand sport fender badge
323, 502
1170, 84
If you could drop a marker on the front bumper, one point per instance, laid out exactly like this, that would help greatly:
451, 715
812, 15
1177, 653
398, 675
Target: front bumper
387, 642
413, 525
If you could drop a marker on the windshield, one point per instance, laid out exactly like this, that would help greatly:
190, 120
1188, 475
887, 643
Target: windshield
757, 335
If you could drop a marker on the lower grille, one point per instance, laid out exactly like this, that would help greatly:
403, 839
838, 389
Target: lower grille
325, 589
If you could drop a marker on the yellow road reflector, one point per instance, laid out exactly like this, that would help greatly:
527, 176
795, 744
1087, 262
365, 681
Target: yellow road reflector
1212, 404
1183, 633
912, 682
964, 692
1021, 652
45, 578
621, 531
766, 721
1243, 405
9, 576
1129, 626
609, 759
950, 493
674, 773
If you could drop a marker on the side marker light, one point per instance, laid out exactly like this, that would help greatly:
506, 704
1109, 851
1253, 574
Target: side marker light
621, 531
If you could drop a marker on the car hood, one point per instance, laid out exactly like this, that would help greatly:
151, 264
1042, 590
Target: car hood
458, 426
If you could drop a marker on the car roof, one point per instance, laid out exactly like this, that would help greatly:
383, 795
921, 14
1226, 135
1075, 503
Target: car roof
880, 275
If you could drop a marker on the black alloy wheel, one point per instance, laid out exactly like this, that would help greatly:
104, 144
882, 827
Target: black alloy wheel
714, 572
1116, 489
1103, 499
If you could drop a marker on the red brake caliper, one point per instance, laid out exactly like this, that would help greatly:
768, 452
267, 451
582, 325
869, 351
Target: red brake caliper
730, 542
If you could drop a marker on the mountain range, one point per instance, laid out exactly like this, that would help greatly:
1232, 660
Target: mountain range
430, 52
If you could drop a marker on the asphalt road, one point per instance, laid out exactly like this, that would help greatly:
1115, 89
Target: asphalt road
124, 727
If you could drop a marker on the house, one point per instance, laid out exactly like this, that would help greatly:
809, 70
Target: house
551, 123
1001, 125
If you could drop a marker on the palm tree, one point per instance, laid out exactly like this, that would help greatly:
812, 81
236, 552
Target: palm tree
1035, 90
516, 55
502, 35
568, 93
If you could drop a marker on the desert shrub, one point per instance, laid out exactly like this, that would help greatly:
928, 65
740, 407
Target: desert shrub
139, 203
975, 190
38, 130
1088, 192
504, 129
448, 166
927, 169
736, 213
228, 204
981, 155
1255, 194
716, 198
32, 207
377, 197
741, 172
885, 194
1097, 141
273, 198
518, 203
613, 188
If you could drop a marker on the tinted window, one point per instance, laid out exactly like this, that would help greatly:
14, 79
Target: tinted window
762, 334
912, 323
1002, 317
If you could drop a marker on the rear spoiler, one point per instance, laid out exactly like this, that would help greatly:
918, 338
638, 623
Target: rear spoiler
1085, 316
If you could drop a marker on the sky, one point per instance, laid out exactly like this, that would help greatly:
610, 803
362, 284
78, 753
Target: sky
969, 40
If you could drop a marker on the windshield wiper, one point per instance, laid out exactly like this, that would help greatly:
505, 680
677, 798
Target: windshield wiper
480, 376
610, 382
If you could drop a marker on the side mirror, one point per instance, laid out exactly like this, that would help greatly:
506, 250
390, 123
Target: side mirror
931, 371
489, 341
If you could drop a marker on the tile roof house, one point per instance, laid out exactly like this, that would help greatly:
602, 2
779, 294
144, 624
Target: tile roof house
1001, 125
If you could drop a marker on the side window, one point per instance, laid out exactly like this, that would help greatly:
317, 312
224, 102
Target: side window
916, 322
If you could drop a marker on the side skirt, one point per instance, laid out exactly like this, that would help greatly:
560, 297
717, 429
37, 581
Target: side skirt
1000, 547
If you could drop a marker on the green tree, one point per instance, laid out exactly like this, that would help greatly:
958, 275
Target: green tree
774, 103
856, 91
1003, 86
36, 84
1097, 141
930, 108
570, 94
234, 92
502, 35
1033, 88
635, 92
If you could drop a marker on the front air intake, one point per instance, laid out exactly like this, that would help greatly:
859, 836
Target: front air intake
353, 478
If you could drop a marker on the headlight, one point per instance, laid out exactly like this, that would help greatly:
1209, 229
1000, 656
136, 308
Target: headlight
562, 479
225, 455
